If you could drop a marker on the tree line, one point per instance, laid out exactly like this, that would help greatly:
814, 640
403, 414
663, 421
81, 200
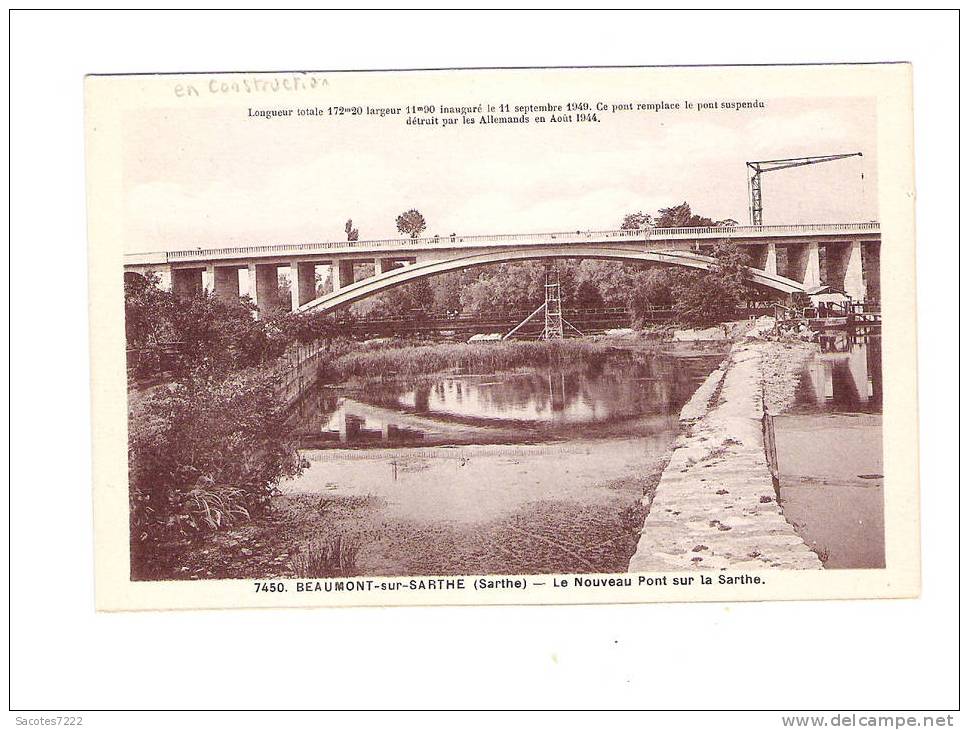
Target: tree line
696, 298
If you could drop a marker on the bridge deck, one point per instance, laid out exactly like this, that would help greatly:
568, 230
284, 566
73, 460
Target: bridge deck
654, 237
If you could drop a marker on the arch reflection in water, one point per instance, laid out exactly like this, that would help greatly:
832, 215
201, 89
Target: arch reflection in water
604, 397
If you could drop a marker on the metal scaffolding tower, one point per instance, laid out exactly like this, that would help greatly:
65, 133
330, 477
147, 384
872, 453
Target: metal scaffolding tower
555, 323
554, 328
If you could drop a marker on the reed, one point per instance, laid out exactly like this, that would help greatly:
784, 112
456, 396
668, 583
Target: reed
477, 358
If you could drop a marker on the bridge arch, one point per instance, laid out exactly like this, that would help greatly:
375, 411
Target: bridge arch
432, 267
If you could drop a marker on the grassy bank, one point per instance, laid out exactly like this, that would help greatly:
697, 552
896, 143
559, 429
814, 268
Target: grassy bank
486, 357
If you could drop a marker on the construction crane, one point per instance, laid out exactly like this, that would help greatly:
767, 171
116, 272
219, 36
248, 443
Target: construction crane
761, 166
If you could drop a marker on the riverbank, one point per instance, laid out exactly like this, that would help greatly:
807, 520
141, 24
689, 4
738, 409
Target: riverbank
519, 471
715, 506
573, 507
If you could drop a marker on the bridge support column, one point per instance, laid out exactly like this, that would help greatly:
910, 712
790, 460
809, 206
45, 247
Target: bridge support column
770, 262
342, 274
208, 278
302, 282
386, 265
186, 283
226, 282
264, 287
854, 279
805, 262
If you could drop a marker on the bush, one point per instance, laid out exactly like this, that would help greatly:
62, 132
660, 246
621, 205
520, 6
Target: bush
204, 453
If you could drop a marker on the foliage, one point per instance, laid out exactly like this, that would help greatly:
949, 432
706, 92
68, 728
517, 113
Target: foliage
712, 297
213, 336
680, 216
145, 308
650, 289
504, 288
203, 453
411, 223
636, 221
353, 234
413, 299
587, 295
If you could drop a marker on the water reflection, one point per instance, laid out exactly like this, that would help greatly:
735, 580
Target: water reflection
623, 393
845, 377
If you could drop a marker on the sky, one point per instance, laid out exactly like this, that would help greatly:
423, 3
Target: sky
210, 177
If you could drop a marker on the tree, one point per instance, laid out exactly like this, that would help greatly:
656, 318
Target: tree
587, 295
713, 297
284, 291
353, 234
649, 289
411, 223
209, 329
636, 221
147, 311
405, 300
680, 216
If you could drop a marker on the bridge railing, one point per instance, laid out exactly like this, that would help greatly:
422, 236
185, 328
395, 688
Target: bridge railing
564, 237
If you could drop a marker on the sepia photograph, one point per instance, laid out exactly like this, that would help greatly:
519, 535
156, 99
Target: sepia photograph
419, 331
483, 360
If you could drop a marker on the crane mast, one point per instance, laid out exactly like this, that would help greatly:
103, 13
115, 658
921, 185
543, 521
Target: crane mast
761, 166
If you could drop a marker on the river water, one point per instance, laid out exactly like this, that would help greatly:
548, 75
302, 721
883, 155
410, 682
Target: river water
527, 471
829, 453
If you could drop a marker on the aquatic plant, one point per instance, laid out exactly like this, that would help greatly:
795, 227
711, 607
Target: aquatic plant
331, 558
471, 358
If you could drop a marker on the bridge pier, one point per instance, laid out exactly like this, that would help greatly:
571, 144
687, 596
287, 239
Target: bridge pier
764, 257
302, 282
225, 282
854, 278
804, 261
388, 265
342, 273
186, 283
264, 287
770, 259
843, 269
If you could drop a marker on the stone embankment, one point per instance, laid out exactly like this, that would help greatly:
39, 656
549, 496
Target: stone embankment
715, 507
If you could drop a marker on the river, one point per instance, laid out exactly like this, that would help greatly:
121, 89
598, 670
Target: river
534, 470
829, 453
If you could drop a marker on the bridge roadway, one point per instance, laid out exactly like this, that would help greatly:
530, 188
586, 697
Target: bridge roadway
786, 258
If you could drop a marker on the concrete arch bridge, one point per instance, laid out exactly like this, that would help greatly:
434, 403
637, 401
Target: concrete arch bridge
788, 259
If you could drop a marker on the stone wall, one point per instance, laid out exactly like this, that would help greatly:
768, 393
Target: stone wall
715, 507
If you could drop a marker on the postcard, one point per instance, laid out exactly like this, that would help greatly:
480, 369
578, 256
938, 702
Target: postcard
531, 336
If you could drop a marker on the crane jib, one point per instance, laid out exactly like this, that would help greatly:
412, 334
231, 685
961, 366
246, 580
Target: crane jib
761, 166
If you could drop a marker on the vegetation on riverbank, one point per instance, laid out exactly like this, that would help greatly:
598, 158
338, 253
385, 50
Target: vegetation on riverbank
207, 334
485, 357
209, 442
203, 454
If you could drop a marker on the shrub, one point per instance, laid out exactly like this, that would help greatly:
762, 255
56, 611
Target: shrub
204, 453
